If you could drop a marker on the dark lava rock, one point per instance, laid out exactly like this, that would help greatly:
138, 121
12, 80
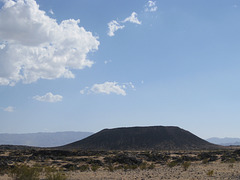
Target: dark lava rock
207, 155
70, 166
47, 153
237, 152
152, 156
123, 159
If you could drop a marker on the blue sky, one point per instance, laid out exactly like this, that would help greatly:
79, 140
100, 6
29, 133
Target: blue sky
123, 63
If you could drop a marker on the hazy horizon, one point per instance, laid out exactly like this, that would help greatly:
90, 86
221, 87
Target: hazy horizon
52, 132
90, 65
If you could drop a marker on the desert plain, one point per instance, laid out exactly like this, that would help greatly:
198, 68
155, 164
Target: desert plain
44, 164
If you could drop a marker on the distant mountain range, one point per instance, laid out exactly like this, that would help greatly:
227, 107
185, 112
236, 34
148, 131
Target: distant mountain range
43, 139
225, 141
142, 138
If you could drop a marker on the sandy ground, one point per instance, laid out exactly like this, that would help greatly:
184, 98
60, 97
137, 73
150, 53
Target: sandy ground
195, 171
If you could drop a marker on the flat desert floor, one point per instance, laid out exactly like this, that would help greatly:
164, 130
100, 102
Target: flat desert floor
122, 165
195, 171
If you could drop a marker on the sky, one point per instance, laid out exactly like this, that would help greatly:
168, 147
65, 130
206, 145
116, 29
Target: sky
88, 65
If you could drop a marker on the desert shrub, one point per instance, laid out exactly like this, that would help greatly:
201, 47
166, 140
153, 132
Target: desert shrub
56, 176
110, 167
172, 164
232, 160
3, 167
186, 165
95, 168
96, 162
49, 169
70, 167
24, 172
119, 167
151, 166
2, 171
83, 168
38, 167
205, 161
130, 167
53, 173
143, 166
210, 173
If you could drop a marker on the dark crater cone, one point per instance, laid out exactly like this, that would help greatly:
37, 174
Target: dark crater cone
142, 138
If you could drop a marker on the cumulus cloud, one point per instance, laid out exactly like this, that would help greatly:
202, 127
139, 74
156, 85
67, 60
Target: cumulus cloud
49, 97
113, 26
34, 46
108, 88
151, 6
133, 19
9, 109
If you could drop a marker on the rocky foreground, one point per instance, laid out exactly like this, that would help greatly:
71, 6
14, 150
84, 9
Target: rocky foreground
62, 164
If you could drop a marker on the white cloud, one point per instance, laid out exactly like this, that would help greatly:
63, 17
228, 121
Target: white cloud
133, 19
113, 26
130, 84
106, 62
2, 46
9, 109
51, 11
108, 88
34, 46
49, 97
151, 6
82, 91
